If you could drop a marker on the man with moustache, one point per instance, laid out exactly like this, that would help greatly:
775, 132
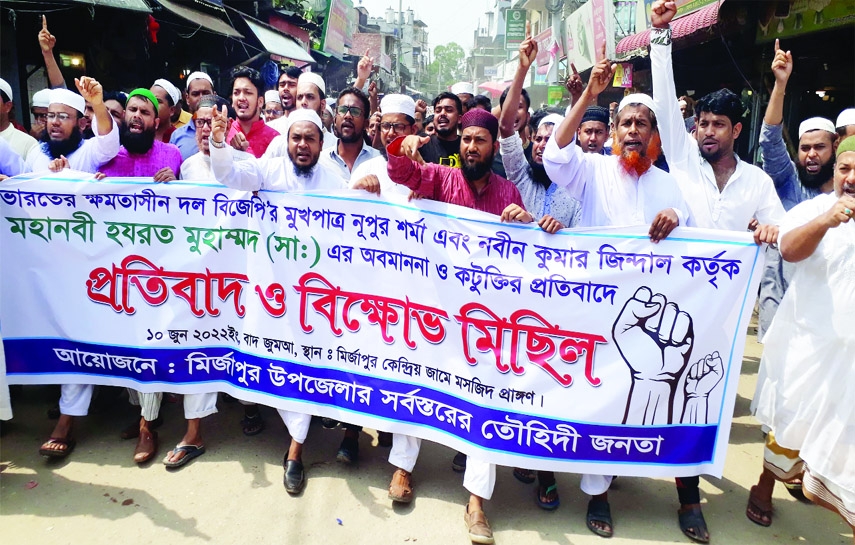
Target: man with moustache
62, 143
198, 166
199, 84
722, 191
141, 154
473, 185
310, 95
812, 174
351, 114
168, 106
249, 132
620, 189
443, 147
287, 87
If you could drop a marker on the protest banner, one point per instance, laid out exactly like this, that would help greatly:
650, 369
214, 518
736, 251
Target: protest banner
590, 351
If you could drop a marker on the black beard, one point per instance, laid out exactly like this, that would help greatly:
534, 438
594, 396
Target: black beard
445, 133
538, 174
301, 171
352, 139
136, 143
713, 157
476, 171
815, 181
55, 148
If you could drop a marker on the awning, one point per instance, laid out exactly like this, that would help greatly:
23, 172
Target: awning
277, 43
495, 87
203, 20
133, 5
680, 28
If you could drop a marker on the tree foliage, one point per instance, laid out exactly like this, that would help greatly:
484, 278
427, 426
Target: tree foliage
447, 68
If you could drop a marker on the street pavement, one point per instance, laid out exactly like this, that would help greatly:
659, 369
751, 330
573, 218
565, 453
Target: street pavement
233, 494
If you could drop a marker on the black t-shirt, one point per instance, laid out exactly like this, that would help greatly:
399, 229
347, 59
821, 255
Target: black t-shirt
442, 152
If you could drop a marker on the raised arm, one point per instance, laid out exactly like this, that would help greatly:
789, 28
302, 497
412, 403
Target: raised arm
773, 150
601, 76
107, 141
47, 42
527, 54
363, 70
676, 142
243, 175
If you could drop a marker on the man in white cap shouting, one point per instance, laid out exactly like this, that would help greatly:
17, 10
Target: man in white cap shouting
846, 123
464, 91
272, 107
620, 189
20, 142
809, 176
199, 84
62, 143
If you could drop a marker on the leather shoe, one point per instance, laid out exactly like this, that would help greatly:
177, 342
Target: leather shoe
478, 526
295, 477
401, 487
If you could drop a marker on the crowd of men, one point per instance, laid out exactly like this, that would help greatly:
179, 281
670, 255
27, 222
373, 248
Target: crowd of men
639, 162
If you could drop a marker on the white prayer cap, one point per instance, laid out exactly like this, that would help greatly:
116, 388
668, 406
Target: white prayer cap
6, 88
816, 124
170, 89
636, 98
398, 104
555, 119
193, 77
41, 99
68, 98
330, 102
302, 114
463, 87
314, 78
271, 96
846, 117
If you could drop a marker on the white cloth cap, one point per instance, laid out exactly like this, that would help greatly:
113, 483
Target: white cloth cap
636, 98
302, 114
192, 77
315, 78
170, 89
68, 98
6, 88
555, 119
398, 104
41, 99
846, 117
463, 87
271, 96
816, 124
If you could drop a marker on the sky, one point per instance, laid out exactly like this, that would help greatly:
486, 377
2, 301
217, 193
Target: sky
447, 20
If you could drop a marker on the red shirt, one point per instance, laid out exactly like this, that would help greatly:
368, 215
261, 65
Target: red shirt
259, 136
447, 184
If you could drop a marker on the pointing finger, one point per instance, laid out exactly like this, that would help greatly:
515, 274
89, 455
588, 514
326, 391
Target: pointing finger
573, 67
44, 22
777, 45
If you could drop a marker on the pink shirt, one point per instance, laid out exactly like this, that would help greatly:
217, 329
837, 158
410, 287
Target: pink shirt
447, 184
259, 136
144, 165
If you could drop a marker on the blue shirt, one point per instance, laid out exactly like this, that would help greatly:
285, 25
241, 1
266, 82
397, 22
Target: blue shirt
185, 139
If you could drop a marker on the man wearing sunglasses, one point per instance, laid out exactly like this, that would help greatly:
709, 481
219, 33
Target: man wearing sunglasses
351, 116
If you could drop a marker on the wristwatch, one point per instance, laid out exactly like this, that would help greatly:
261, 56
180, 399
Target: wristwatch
215, 143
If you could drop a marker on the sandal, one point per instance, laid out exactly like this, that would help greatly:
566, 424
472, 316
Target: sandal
551, 494
794, 487
524, 475
252, 424
693, 525
401, 487
758, 512
132, 431
67, 444
190, 452
599, 511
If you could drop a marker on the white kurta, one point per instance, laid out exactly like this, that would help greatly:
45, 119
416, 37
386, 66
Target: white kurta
88, 157
276, 174
806, 396
377, 167
749, 193
609, 195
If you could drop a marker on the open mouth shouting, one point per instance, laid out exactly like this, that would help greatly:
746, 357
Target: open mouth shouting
631, 145
441, 122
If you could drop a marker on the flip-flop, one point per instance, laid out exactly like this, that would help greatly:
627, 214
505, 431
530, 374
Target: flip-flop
760, 510
69, 445
544, 492
190, 452
523, 475
794, 488
252, 425
599, 511
693, 525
